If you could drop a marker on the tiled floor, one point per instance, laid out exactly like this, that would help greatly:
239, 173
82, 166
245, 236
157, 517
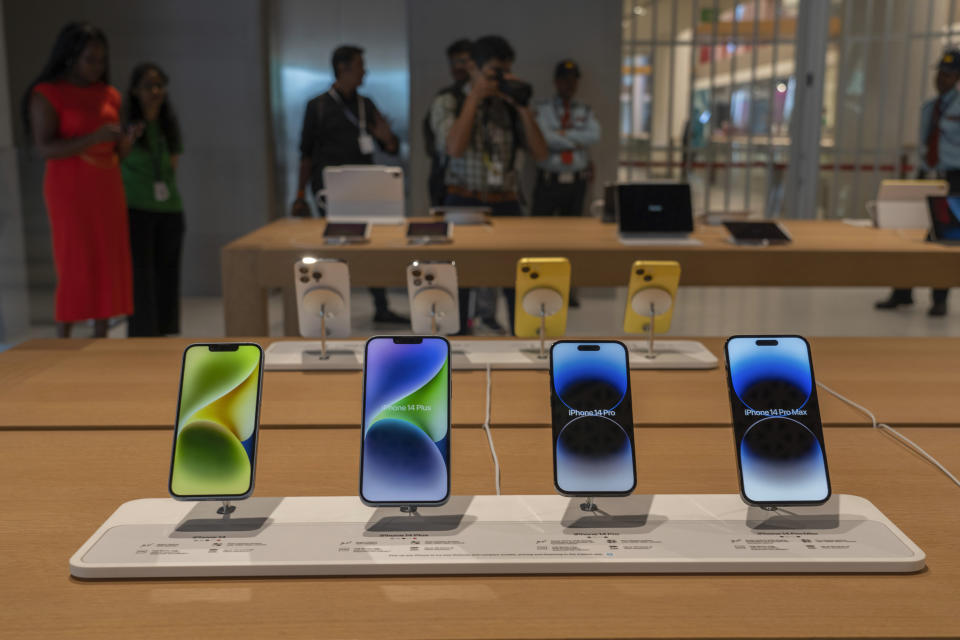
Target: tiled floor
700, 311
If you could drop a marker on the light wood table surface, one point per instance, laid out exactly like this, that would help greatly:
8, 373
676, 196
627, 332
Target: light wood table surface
132, 383
59, 486
823, 253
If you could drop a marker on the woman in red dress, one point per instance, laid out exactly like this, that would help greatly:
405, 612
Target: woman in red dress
74, 116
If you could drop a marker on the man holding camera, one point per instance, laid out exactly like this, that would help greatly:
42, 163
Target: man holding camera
569, 128
481, 137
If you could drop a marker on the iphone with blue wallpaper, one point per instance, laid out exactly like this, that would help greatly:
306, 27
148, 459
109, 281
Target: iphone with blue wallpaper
218, 413
405, 444
592, 416
778, 435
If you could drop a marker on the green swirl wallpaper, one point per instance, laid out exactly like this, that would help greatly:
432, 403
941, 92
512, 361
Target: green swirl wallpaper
216, 428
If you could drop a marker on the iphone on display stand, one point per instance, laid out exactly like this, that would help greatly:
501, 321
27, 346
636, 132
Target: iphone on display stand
323, 297
432, 288
778, 436
217, 424
405, 422
542, 295
651, 295
592, 419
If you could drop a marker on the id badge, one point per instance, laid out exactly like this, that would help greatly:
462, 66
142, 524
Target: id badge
495, 174
161, 192
566, 177
366, 144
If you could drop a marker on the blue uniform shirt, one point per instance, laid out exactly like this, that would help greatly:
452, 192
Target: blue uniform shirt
948, 148
582, 131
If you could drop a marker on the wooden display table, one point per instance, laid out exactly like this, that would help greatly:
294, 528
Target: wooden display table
60, 485
823, 253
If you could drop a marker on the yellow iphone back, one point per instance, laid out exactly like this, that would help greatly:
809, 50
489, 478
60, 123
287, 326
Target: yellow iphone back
534, 273
651, 274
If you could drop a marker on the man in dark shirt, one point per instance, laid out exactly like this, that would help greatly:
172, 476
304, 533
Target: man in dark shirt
342, 127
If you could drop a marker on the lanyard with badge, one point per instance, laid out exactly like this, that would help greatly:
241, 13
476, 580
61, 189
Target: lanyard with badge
161, 192
365, 140
491, 161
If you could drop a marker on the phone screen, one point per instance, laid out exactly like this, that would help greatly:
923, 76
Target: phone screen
776, 420
405, 457
215, 440
345, 229
427, 229
593, 452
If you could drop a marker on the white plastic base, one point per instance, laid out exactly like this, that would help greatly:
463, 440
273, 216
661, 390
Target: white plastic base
507, 353
155, 538
347, 355
670, 354
303, 355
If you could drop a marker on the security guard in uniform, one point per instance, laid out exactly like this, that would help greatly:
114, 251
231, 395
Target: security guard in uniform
569, 127
939, 150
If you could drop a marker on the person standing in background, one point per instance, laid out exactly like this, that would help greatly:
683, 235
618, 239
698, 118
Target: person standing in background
341, 127
939, 151
569, 127
458, 57
73, 115
155, 207
481, 139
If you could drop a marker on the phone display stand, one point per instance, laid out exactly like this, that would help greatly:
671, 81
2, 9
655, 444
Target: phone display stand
514, 534
665, 354
542, 303
306, 355
438, 305
325, 304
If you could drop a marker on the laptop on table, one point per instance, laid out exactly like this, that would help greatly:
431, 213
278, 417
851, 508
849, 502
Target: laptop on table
655, 213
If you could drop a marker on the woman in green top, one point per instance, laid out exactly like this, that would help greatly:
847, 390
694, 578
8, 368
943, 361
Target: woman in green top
156, 211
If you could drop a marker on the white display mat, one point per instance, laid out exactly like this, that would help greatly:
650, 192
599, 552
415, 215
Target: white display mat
671, 354
304, 355
508, 353
160, 537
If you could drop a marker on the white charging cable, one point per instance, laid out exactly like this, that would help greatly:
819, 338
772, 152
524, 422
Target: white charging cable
880, 425
486, 427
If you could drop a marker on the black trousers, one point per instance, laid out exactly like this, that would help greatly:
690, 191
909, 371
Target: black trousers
156, 244
509, 208
552, 198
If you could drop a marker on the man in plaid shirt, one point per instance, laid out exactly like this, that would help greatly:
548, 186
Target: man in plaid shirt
481, 141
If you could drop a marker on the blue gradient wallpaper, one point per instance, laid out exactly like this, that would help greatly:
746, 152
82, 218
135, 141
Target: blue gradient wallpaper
776, 418
593, 451
406, 439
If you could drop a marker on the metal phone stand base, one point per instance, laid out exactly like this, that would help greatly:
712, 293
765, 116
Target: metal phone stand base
542, 303
305, 355
665, 354
325, 305
434, 309
515, 534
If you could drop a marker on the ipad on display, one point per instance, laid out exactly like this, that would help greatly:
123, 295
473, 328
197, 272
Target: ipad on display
429, 231
346, 232
756, 232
